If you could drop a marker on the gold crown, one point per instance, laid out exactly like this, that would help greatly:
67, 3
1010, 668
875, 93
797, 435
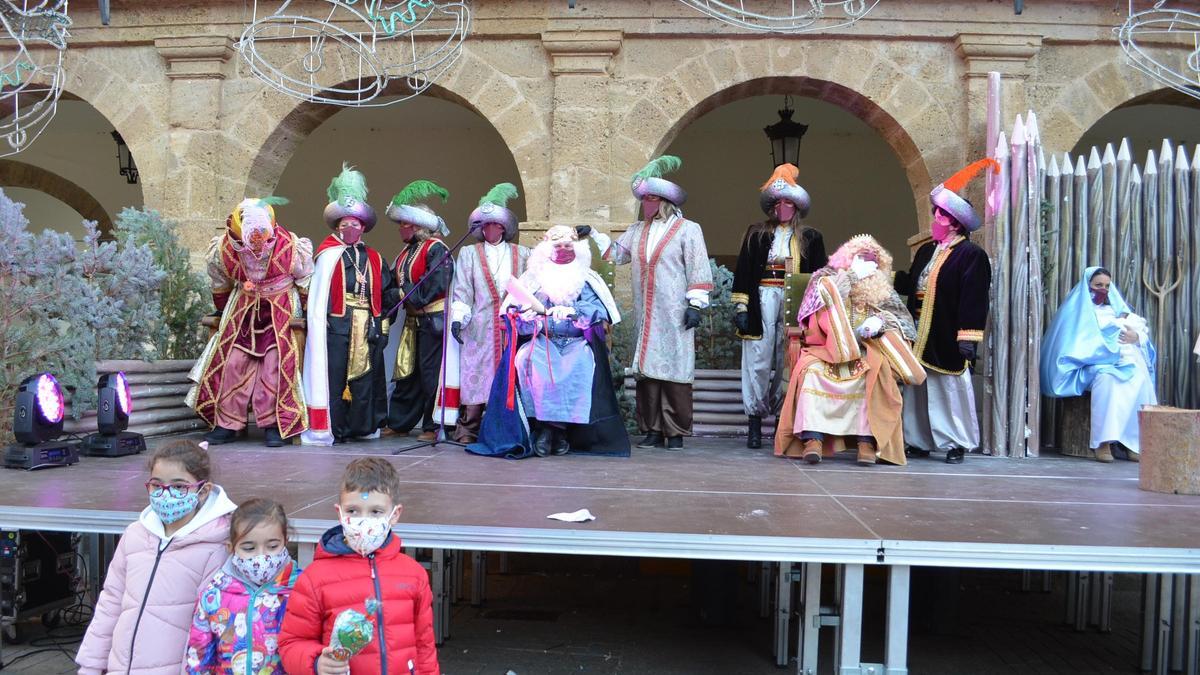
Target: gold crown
559, 233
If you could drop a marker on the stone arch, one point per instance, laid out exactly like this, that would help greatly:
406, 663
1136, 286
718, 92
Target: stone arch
889, 90
22, 175
474, 84
135, 108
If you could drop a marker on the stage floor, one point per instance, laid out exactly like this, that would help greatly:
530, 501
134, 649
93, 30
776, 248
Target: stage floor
716, 499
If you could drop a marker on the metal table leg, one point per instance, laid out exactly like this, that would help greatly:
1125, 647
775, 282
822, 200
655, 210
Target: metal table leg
783, 613
1104, 622
849, 631
895, 653
1192, 667
1178, 620
764, 590
808, 639
478, 576
441, 606
305, 552
1162, 634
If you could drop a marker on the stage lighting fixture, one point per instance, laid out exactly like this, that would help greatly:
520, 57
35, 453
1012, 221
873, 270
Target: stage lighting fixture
112, 418
37, 423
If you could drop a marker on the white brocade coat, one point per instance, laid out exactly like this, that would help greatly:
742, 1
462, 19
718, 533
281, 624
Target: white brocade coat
476, 302
662, 277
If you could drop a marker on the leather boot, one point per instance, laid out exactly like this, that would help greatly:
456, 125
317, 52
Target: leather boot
1104, 453
866, 453
274, 439
812, 450
543, 437
955, 455
754, 432
469, 421
653, 439
220, 436
558, 441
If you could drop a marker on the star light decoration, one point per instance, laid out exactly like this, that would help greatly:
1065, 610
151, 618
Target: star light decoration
785, 16
1147, 37
31, 80
351, 52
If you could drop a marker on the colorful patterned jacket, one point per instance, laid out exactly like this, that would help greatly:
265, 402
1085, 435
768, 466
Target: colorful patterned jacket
235, 628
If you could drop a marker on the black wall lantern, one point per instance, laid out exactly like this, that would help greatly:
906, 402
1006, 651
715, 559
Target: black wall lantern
785, 136
125, 163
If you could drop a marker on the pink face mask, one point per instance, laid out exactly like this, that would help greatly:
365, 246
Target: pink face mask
563, 255
1100, 296
942, 227
784, 210
650, 208
351, 233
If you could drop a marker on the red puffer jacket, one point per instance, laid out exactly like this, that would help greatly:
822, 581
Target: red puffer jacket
340, 579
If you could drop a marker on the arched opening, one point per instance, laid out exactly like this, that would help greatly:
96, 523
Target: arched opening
860, 167
1146, 120
70, 173
440, 138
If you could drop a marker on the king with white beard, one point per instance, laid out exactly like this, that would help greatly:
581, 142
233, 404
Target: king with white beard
561, 374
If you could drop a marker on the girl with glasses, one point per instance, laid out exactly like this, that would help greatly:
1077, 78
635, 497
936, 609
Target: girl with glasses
144, 611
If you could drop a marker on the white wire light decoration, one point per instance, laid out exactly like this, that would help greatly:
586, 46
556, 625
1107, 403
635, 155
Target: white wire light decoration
31, 80
1164, 24
350, 53
785, 16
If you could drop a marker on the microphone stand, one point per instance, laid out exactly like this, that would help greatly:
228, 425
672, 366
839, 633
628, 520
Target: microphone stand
446, 335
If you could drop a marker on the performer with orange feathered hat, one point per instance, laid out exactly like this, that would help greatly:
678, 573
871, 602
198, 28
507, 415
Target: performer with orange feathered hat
768, 285
947, 291
260, 274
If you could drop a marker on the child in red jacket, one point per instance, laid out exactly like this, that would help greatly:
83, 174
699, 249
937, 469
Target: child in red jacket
356, 561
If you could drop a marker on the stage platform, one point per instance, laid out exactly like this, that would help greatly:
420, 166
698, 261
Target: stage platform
714, 500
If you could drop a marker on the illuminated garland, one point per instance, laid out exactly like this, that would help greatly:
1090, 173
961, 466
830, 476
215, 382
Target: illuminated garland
30, 82
300, 55
803, 16
1164, 25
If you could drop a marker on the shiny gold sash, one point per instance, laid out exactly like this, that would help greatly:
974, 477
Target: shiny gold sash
406, 352
359, 363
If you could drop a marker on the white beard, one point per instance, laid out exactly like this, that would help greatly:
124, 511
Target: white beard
562, 284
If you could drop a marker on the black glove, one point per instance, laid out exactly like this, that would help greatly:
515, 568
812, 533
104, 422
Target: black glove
742, 321
456, 331
583, 231
969, 350
691, 318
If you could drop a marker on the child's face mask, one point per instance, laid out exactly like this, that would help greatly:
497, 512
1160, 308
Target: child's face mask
261, 568
170, 508
365, 534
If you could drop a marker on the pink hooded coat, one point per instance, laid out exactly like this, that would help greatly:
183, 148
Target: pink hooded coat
142, 616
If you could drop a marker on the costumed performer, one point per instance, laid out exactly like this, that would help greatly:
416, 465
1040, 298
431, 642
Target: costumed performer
259, 273
554, 394
772, 271
424, 279
345, 384
844, 386
1095, 343
672, 278
947, 289
481, 276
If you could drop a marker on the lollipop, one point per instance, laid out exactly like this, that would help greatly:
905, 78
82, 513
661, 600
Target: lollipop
353, 631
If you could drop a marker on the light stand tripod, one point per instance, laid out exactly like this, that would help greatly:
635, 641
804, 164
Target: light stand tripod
446, 335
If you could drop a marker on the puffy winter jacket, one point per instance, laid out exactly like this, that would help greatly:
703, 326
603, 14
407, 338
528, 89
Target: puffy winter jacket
340, 579
142, 617
236, 627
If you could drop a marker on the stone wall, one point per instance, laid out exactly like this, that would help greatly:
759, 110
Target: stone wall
583, 97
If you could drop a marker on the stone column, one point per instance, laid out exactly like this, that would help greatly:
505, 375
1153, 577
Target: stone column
196, 68
581, 126
1008, 55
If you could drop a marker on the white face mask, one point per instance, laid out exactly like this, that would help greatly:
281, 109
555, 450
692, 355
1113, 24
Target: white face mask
863, 268
365, 534
261, 568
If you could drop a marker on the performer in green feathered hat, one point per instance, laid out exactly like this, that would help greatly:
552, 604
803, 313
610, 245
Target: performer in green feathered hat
419, 355
480, 278
353, 287
260, 273
671, 282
